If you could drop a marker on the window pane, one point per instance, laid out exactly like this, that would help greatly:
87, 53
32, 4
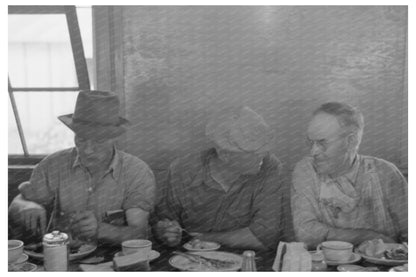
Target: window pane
84, 14
38, 111
40, 53
15, 146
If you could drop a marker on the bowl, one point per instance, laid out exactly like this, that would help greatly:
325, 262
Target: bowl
15, 250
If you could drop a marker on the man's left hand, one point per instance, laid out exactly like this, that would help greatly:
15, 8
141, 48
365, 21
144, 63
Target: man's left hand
85, 225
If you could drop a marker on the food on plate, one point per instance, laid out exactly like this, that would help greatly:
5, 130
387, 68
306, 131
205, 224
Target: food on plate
205, 264
376, 248
206, 261
373, 248
396, 254
198, 244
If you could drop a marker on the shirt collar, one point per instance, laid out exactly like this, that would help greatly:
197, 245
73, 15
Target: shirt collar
114, 167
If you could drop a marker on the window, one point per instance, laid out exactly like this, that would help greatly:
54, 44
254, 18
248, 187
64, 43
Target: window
50, 60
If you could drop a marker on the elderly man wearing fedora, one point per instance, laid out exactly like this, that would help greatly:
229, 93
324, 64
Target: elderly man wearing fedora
80, 187
233, 193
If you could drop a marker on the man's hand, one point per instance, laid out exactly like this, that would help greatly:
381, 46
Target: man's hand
170, 232
34, 219
84, 225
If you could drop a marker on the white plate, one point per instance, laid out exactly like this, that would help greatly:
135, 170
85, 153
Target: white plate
354, 258
184, 264
208, 246
22, 267
384, 261
356, 268
152, 255
22, 259
87, 249
108, 266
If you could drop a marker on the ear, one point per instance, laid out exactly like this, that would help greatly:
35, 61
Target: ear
352, 140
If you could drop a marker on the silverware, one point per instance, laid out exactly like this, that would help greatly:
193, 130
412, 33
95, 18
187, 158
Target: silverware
204, 260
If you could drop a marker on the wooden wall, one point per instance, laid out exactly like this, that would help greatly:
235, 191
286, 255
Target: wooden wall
175, 65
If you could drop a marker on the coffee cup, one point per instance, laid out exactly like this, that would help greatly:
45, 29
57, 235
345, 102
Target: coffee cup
339, 251
15, 250
141, 247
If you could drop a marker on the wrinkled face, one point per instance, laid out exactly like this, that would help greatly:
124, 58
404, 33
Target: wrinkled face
328, 144
242, 162
93, 153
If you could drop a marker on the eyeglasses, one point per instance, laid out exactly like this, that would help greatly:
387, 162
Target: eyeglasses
323, 144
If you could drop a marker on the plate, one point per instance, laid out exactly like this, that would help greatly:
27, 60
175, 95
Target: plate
86, 250
23, 258
22, 267
354, 258
400, 268
152, 255
207, 246
108, 266
384, 261
184, 264
355, 268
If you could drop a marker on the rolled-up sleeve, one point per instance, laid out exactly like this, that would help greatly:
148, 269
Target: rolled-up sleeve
39, 188
307, 224
170, 206
269, 219
140, 192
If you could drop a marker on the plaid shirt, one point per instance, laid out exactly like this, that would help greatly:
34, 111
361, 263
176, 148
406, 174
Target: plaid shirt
375, 191
128, 183
260, 202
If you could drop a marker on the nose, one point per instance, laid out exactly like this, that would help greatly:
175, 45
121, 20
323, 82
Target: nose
315, 150
88, 148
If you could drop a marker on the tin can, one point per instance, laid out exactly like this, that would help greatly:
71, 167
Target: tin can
55, 251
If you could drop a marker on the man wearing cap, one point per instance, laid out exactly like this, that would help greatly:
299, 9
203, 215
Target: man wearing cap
233, 193
338, 194
79, 187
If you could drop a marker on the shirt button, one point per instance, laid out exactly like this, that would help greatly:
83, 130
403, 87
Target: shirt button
89, 189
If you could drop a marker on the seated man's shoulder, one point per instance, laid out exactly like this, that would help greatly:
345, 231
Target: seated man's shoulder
131, 162
59, 157
381, 165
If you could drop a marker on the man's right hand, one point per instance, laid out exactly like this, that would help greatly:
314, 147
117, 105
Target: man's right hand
34, 219
169, 231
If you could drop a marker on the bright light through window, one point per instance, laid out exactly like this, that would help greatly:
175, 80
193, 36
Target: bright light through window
40, 56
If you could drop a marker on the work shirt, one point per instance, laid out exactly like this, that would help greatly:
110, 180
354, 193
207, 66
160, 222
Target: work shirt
259, 201
372, 195
61, 182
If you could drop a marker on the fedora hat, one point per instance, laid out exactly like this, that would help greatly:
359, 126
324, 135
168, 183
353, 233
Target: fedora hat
96, 116
241, 130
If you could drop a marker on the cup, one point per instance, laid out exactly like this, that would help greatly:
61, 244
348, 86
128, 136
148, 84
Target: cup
339, 251
15, 250
140, 246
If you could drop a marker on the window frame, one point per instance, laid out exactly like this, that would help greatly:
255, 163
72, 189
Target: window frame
80, 68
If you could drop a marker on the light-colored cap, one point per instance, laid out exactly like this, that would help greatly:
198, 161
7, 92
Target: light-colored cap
241, 130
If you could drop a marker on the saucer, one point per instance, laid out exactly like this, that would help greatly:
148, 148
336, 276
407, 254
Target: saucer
23, 258
22, 267
354, 258
152, 255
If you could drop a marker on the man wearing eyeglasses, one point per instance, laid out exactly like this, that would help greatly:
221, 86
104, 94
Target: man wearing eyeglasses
338, 194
